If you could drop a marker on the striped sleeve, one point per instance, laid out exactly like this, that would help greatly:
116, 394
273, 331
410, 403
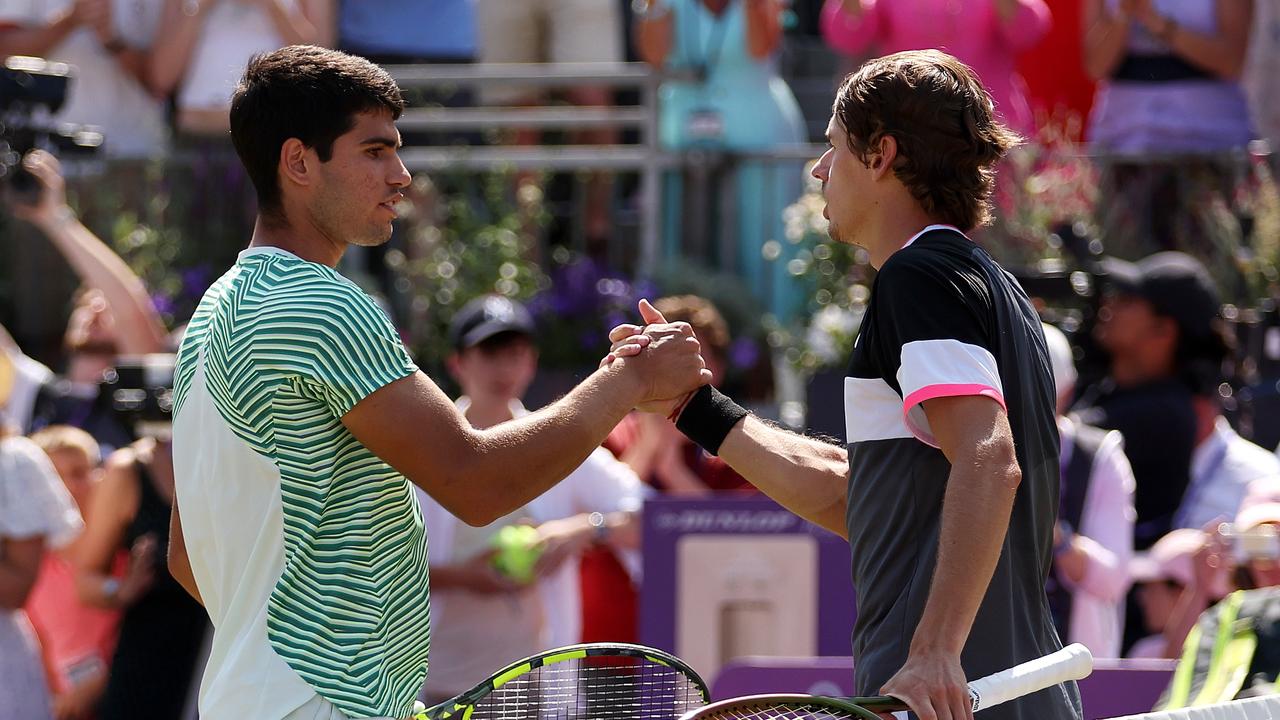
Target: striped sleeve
934, 318
342, 344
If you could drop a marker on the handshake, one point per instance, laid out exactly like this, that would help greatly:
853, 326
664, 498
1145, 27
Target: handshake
663, 360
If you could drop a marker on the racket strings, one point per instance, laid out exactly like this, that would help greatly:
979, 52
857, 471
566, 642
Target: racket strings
593, 689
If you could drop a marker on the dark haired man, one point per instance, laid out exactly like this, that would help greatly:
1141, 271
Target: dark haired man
300, 420
948, 492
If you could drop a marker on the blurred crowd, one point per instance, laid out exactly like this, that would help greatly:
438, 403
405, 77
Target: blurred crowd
1169, 518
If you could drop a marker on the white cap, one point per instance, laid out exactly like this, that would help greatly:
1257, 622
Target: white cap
1060, 359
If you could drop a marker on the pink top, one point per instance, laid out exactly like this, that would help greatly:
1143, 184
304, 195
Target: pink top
971, 30
78, 639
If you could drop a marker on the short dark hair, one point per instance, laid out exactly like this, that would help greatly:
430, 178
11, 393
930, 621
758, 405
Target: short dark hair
303, 92
943, 121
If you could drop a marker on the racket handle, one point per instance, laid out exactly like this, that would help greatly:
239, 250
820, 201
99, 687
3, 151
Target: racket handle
1073, 662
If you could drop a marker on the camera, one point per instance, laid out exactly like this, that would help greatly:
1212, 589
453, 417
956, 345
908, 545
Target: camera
32, 90
139, 390
1258, 543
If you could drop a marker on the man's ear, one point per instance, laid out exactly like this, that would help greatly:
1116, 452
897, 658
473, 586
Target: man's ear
296, 162
886, 153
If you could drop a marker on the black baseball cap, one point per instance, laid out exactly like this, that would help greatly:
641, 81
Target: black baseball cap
1177, 286
485, 317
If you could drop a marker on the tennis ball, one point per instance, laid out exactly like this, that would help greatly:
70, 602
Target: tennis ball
517, 551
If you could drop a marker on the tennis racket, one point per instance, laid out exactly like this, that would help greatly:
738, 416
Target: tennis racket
593, 681
1070, 663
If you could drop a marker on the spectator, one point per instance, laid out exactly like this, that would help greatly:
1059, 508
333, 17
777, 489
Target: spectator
1169, 72
1093, 539
726, 94
1225, 468
987, 35
418, 32
161, 627
204, 45
482, 620
115, 316
1231, 649
110, 43
78, 640
36, 515
1160, 577
1158, 324
558, 31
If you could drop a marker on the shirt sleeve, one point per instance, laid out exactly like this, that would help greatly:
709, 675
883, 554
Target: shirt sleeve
933, 319
608, 485
341, 343
33, 500
1107, 524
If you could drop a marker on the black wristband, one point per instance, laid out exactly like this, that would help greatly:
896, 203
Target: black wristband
708, 417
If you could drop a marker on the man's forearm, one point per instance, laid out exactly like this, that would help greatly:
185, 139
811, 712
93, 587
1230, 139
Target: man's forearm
140, 327
808, 477
975, 520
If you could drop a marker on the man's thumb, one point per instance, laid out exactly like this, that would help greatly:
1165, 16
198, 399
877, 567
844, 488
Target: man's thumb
650, 313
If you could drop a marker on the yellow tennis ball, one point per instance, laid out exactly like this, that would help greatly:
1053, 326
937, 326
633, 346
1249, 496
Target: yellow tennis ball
517, 552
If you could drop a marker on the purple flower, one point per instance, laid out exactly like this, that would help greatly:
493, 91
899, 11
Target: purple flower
163, 304
743, 353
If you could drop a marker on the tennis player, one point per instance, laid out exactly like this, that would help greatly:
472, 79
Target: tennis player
300, 420
948, 490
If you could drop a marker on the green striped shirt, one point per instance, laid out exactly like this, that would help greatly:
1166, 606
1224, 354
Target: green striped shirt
287, 347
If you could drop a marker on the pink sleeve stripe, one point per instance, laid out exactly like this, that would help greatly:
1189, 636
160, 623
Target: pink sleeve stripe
950, 390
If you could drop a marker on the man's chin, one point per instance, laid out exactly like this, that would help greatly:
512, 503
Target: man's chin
371, 240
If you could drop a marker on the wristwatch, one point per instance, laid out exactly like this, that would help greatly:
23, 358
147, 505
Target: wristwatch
599, 527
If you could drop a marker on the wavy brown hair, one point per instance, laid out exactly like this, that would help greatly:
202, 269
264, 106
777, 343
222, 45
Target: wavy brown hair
943, 121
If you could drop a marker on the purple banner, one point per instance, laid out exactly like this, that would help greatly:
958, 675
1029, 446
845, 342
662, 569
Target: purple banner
667, 520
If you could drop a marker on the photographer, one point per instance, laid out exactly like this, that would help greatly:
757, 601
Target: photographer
109, 42
162, 628
113, 317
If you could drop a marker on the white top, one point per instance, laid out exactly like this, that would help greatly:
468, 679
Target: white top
601, 483
233, 32
33, 500
103, 93
28, 376
1222, 467
1106, 536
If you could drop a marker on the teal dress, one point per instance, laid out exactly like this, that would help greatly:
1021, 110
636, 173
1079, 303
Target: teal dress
739, 103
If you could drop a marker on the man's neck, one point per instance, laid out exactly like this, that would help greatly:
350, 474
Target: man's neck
1133, 371
301, 239
487, 413
890, 232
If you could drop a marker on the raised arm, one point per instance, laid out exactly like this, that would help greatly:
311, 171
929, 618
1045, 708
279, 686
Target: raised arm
764, 27
39, 39
481, 475
141, 330
1105, 34
310, 22
973, 432
180, 25
654, 30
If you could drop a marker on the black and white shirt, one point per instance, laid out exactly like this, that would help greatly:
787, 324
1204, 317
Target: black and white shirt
946, 320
